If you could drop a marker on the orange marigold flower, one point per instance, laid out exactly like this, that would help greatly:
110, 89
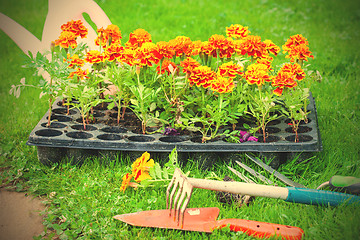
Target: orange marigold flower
257, 73
206, 48
66, 40
167, 66
125, 182
81, 74
75, 61
165, 49
106, 37
294, 69
252, 46
283, 79
76, 27
237, 31
113, 52
271, 47
127, 56
230, 70
94, 56
141, 166
222, 84
137, 38
221, 45
300, 52
147, 55
202, 76
188, 65
196, 47
182, 46
294, 41
267, 60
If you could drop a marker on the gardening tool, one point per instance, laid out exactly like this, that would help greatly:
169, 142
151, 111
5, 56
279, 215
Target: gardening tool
280, 176
339, 183
185, 185
201, 219
204, 220
343, 183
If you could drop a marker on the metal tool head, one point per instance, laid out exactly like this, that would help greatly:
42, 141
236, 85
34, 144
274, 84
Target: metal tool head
183, 189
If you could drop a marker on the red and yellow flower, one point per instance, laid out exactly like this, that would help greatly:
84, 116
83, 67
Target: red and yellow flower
108, 36
127, 56
165, 49
94, 56
237, 31
188, 65
75, 61
257, 73
221, 45
75, 27
141, 166
271, 47
147, 55
222, 84
125, 182
66, 40
113, 52
182, 46
202, 76
137, 38
81, 74
252, 46
230, 70
297, 48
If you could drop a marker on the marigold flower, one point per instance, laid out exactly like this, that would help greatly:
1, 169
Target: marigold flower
113, 52
271, 47
66, 40
252, 46
188, 65
76, 27
165, 49
141, 167
237, 31
196, 47
127, 56
300, 52
137, 38
257, 73
167, 66
147, 55
230, 70
75, 61
94, 56
202, 76
111, 34
125, 182
221, 45
294, 41
267, 60
294, 69
222, 84
182, 46
282, 80
81, 74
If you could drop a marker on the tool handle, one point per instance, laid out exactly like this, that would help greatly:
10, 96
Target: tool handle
320, 197
350, 184
261, 229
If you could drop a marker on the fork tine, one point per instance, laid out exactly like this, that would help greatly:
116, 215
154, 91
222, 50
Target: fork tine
187, 190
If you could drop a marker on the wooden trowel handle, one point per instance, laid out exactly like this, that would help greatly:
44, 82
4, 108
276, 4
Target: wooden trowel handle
260, 229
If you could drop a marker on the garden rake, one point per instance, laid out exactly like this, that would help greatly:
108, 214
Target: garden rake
183, 186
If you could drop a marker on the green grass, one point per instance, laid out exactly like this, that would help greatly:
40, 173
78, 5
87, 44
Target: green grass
82, 200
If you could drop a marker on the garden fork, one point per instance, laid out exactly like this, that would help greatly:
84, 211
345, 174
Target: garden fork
183, 187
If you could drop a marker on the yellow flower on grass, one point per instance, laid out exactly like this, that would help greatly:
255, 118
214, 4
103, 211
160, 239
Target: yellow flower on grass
141, 166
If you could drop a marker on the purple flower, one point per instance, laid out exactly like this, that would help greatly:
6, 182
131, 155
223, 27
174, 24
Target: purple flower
252, 139
171, 132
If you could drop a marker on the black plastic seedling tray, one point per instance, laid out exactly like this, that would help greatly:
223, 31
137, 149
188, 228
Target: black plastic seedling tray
66, 135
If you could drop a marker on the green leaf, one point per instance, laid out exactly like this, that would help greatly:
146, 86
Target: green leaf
158, 171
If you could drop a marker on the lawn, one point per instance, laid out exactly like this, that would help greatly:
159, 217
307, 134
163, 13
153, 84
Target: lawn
83, 199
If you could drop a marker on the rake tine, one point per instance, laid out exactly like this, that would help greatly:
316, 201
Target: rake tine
188, 188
